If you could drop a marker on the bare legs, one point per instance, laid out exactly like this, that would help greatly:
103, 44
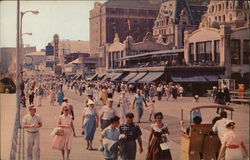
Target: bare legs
68, 152
89, 144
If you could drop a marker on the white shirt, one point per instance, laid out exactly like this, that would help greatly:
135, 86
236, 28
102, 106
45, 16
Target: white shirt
159, 89
220, 127
107, 112
29, 120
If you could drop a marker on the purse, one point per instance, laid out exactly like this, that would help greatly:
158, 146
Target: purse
164, 144
57, 131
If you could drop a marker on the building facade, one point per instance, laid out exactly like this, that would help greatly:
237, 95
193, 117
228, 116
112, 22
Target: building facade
60, 52
222, 39
175, 17
127, 18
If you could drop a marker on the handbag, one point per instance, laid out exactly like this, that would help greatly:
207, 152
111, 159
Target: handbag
164, 144
57, 131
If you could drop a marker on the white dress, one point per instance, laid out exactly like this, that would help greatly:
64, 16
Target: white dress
124, 106
232, 139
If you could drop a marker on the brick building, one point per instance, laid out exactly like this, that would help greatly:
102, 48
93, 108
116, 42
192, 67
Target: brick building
127, 17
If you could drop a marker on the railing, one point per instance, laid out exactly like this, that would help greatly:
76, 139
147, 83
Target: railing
17, 144
242, 97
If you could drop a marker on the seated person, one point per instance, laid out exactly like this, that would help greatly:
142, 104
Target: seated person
196, 121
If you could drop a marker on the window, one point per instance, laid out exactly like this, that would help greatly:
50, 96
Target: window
224, 18
191, 52
219, 7
217, 51
208, 51
200, 52
235, 51
246, 51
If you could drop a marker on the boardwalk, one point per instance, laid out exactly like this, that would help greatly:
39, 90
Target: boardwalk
171, 110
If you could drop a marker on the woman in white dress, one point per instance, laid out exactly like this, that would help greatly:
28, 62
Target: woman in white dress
232, 144
124, 106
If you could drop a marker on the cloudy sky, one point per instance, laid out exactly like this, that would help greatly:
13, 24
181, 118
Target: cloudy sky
67, 18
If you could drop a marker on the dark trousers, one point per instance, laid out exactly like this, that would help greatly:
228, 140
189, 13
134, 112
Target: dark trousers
129, 150
31, 99
159, 96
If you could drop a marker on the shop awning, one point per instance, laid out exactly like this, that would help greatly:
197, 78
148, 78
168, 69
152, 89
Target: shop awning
101, 76
79, 77
74, 77
93, 78
212, 77
129, 76
150, 77
137, 77
118, 75
110, 75
188, 77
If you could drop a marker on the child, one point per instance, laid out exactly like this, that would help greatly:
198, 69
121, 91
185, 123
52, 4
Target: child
151, 109
196, 98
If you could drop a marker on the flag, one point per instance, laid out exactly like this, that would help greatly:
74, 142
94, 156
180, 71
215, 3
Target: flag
129, 25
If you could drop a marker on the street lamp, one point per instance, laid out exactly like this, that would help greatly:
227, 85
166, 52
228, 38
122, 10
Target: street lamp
21, 31
27, 33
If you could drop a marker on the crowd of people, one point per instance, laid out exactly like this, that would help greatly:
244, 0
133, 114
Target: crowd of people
119, 130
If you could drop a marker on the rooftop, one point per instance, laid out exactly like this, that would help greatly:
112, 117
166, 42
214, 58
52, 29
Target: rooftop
147, 4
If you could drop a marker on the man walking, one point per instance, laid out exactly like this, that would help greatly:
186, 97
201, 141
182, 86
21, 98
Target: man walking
40, 93
132, 133
139, 99
106, 113
32, 122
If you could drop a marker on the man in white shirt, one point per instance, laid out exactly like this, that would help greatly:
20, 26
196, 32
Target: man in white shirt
32, 122
106, 113
220, 126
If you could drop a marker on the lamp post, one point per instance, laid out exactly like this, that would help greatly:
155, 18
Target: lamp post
21, 32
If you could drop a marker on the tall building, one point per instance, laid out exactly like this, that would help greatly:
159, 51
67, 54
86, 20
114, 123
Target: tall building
175, 17
126, 17
235, 13
61, 48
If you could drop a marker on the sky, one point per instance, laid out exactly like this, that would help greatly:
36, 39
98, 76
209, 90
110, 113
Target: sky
69, 19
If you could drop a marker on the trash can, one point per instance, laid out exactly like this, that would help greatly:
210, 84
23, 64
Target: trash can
241, 90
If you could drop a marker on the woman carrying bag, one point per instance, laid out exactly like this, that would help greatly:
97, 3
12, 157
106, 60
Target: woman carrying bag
63, 142
157, 147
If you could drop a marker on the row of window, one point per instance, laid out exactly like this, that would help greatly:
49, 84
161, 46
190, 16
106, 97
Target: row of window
132, 11
229, 5
236, 51
204, 51
164, 22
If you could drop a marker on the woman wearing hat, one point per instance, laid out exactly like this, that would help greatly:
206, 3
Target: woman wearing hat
89, 123
232, 144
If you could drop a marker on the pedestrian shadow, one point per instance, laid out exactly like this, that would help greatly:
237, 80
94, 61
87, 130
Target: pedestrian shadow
93, 149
